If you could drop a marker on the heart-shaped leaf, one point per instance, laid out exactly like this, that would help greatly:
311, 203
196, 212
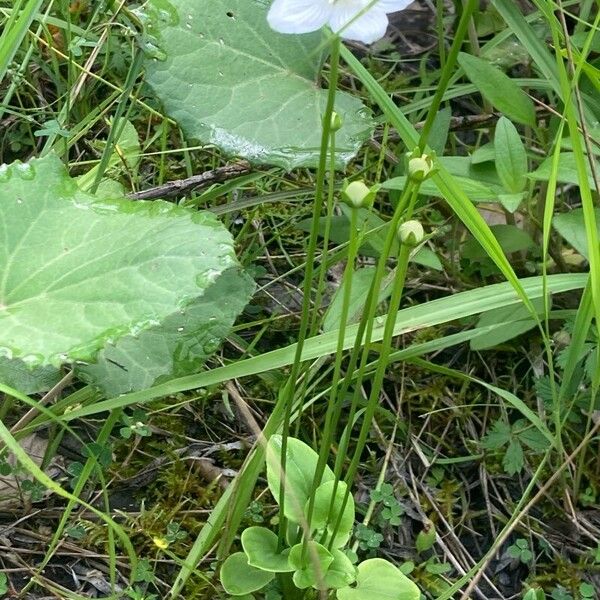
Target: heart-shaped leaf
176, 347
238, 578
230, 80
310, 562
261, 547
300, 466
323, 517
16, 374
378, 578
77, 273
341, 572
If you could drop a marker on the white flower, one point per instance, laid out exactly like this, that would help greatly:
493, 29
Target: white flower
302, 16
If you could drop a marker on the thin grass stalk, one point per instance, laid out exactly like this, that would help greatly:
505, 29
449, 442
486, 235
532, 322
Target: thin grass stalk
441, 32
546, 231
582, 328
569, 77
323, 263
326, 234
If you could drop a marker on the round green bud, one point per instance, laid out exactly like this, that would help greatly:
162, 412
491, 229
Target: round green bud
420, 168
357, 194
411, 233
336, 122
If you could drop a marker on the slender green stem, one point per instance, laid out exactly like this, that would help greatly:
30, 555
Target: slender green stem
334, 407
287, 394
365, 328
326, 234
377, 382
323, 262
382, 152
364, 335
382, 363
439, 24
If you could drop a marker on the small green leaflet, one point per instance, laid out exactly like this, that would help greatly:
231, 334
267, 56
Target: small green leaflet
499, 89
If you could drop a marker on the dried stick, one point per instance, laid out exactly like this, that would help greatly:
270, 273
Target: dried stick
182, 187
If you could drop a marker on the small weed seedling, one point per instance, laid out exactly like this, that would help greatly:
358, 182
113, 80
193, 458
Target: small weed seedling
520, 550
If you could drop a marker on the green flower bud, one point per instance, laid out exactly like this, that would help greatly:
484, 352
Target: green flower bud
411, 233
336, 122
358, 195
420, 167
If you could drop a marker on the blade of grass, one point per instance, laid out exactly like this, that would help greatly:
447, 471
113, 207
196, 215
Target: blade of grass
428, 314
15, 31
27, 463
574, 112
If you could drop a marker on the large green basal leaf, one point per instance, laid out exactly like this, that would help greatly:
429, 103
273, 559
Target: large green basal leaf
16, 374
77, 273
229, 80
176, 347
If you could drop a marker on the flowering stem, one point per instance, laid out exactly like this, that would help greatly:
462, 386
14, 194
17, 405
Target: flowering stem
323, 262
363, 340
287, 393
386, 345
334, 406
409, 196
365, 328
326, 233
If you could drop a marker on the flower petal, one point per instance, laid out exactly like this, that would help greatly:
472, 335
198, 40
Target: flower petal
367, 28
299, 16
390, 6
